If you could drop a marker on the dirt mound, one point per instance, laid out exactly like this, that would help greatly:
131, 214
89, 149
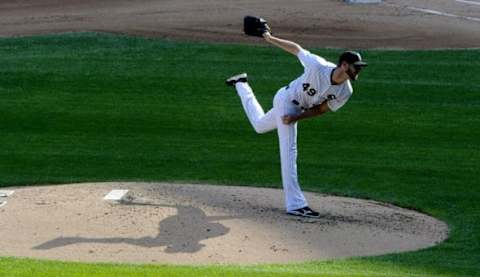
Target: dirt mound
200, 224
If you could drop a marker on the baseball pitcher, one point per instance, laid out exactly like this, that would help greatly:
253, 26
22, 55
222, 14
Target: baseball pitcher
322, 87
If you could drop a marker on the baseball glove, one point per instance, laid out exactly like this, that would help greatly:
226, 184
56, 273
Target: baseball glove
255, 26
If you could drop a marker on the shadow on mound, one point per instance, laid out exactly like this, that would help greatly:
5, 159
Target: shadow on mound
180, 233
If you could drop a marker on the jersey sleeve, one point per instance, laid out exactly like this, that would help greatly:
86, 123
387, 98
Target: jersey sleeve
336, 104
342, 98
309, 60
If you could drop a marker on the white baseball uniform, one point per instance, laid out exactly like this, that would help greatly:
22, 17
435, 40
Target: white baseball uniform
312, 88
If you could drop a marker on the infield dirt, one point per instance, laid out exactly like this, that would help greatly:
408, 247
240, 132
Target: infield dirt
327, 23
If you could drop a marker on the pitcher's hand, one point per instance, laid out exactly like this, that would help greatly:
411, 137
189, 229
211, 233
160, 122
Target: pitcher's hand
288, 119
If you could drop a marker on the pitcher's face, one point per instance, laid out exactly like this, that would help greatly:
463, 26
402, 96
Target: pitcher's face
353, 71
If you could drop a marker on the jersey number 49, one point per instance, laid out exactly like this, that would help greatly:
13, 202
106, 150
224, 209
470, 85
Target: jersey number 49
310, 91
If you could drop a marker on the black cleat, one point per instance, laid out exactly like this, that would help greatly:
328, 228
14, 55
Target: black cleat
305, 212
235, 79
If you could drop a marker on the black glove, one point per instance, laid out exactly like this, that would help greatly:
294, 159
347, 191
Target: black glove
255, 26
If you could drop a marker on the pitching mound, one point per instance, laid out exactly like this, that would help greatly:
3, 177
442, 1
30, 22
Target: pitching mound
198, 224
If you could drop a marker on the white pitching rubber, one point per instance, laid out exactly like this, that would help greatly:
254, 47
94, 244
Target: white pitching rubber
116, 195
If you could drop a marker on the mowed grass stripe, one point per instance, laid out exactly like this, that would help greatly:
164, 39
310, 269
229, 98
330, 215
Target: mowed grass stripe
96, 107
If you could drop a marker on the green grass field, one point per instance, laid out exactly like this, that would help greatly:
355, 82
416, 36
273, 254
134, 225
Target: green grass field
96, 107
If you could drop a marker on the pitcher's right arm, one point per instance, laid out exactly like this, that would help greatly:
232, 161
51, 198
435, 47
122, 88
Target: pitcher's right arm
289, 46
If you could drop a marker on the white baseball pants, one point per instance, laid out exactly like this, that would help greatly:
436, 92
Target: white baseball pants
287, 136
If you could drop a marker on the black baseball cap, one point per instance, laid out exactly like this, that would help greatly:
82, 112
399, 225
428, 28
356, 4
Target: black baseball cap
352, 57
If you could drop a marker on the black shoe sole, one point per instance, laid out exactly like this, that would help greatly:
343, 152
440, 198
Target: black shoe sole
303, 215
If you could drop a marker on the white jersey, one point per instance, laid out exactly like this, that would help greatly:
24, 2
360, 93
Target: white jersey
314, 86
